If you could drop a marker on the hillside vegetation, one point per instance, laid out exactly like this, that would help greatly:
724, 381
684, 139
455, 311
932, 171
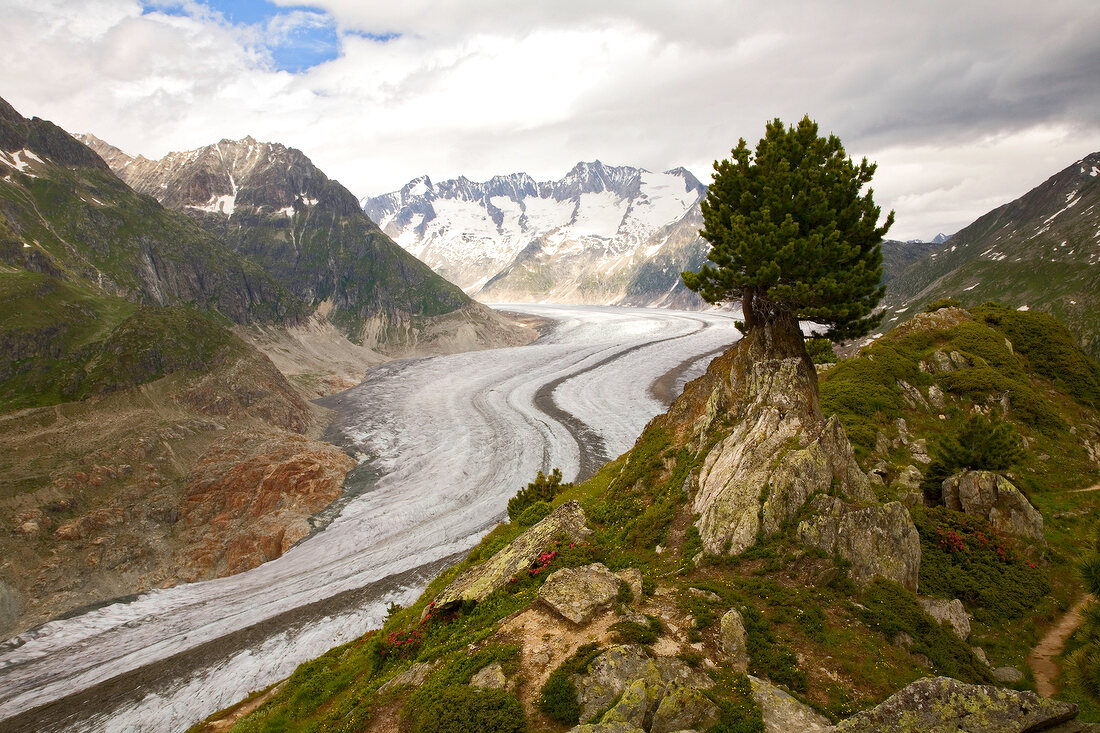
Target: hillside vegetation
836, 645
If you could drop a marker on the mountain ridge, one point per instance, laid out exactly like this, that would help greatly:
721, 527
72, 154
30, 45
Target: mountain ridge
600, 234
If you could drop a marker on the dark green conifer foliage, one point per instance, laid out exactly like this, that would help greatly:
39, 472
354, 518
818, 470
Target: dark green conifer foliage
543, 489
791, 233
982, 444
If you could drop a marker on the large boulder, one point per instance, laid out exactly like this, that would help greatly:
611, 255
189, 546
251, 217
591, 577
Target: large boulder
951, 612
993, 497
578, 594
614, 727
476, 583
781, 712
733, 639
633, 706
945, 705
683, 708
879, 540
629, 668
781, 449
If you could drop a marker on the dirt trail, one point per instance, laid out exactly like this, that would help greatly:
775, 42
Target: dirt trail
1043, 659
1095, 487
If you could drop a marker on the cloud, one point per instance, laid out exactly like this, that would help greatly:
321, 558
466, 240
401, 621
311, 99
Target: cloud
964, 105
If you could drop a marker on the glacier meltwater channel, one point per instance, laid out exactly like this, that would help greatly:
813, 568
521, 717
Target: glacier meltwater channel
443, 442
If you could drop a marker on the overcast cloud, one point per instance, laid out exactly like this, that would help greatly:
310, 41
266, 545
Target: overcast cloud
964, 105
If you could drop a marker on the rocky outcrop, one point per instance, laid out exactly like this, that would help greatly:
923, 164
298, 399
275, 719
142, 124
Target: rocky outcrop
945, 705
781, 712
733, 639
879, 540
683, 708
490, 677
630, 667
993, 497
476, 583
781, 449
951, 612
579, 594
250, 497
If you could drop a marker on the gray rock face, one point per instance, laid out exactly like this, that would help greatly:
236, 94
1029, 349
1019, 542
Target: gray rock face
879, 540
782, 713
950, 611
628, 670
476, 583
632, 707
781, 449
684, 708
633, 578
944, 705
414, 676
992, 496
579, 594
490, 677
1008, 675
10, 608
614, 727
733, 638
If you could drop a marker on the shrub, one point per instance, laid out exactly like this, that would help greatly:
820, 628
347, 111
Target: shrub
558, 697
543, 488
534, 514
892, 610
465, 709
767, 655
821, 351
936, 305
633, 632
964, 557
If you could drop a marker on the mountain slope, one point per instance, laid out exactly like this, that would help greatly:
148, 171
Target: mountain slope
1041, 251
270, 203
601, 234
63, 213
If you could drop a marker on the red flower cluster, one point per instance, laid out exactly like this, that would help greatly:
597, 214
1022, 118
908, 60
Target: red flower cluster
429, 614
951, 540
542, 562
401, 645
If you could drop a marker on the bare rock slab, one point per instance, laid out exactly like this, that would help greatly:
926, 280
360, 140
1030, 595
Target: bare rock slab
950, 611
684, 708
733, 638
476, 583
579, 594
782, 713
945, 705
879, 540
993, 497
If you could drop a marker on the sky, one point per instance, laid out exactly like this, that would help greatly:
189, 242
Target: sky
963, 105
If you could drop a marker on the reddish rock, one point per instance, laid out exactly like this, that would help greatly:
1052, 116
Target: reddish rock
250, 497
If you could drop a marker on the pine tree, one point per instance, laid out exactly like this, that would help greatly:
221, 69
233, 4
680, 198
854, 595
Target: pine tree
792, 234
982, 444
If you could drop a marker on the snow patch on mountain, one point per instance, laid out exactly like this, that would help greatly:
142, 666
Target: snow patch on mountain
562, 238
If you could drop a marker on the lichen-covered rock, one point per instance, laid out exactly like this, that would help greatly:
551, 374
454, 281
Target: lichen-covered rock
908, 479
611, 673
1008, 675
579, 594
781, 712
682, 708
732, 637
944, 705
476, 583
992, 496
781, 449
879, 540
950, 611
414, 676
490, 677
632, 707
614, 727
10, 608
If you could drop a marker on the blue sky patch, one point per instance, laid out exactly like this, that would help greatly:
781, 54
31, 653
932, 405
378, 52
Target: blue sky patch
296, 37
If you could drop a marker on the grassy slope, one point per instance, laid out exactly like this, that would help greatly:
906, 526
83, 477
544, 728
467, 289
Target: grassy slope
805, 629
65, 342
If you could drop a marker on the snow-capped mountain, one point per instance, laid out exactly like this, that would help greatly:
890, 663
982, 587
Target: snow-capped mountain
601, 234
270, 203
